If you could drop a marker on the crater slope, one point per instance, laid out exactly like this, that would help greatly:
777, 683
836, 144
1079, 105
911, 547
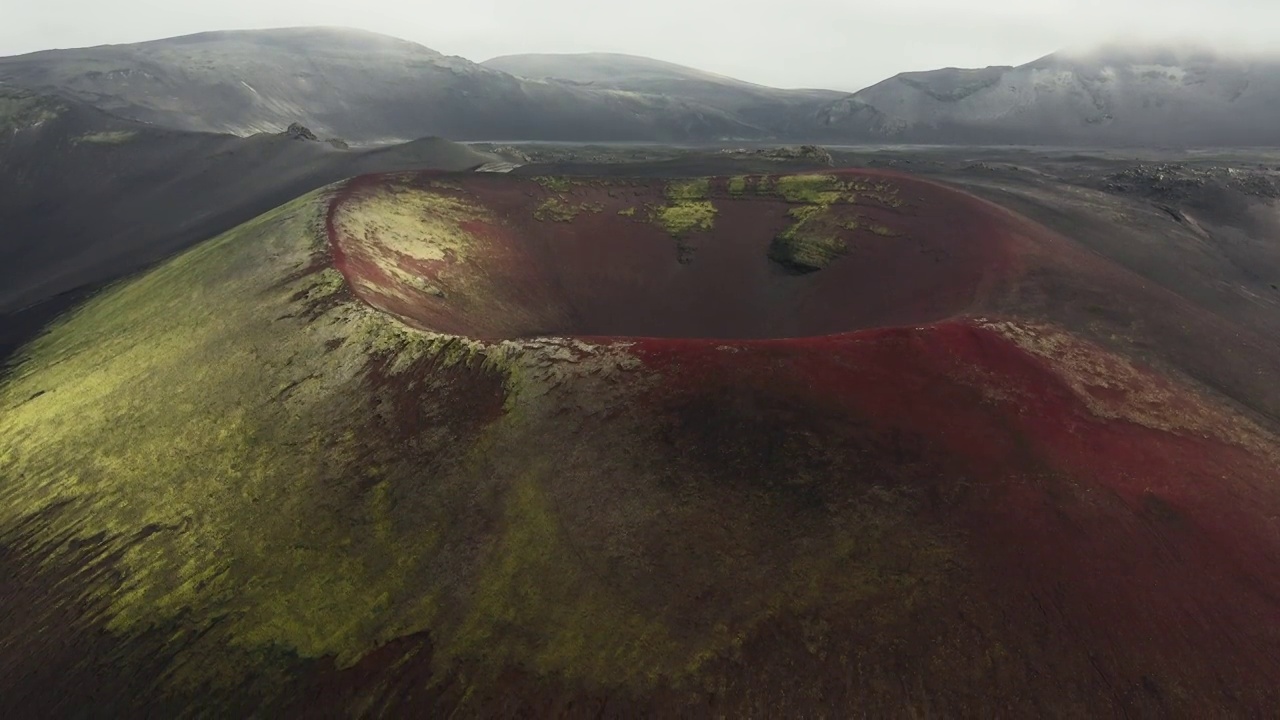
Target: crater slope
430, 444
510, 257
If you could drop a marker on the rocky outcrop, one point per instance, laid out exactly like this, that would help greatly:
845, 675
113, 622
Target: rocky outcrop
298, 131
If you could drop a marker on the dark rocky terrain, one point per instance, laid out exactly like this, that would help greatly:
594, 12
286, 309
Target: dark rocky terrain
87, 197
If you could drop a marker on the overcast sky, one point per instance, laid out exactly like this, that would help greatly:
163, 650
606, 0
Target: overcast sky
838, 44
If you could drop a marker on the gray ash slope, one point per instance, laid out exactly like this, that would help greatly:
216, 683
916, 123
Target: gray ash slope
358, 85
1115, 96
87, 197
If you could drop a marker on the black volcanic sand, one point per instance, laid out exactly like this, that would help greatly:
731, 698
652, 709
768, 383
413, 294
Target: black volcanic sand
87, 198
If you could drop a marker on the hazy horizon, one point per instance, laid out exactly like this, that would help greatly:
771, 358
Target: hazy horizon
808, 43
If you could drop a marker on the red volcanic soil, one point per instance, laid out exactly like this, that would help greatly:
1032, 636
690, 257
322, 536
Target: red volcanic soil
1117, 528
606, 274
1121, 545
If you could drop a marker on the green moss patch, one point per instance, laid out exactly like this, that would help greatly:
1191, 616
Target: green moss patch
557, 209
812, 189
687, 210
555, 183
20, 109
814, 239
400, 220
686, 217
687, 190
809, 244
203, 426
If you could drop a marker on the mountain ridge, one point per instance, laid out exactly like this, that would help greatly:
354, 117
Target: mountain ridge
358, 85
370, 88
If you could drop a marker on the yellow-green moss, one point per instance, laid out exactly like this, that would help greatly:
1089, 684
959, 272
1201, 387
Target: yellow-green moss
686, 216
691, 189
827, 190
20, 109
815, 189
540, 604
687, 209
737, 185
555, 209
571, 624
554, 183
810, 242
413, 222
174, 402
813, 240
862, 223
807, 252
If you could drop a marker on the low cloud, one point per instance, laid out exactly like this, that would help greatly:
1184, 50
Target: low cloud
813, 43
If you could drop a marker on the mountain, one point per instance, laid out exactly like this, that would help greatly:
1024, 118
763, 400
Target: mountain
782, 113
482, 445
87, 197
1139, 96
372, 88
357, 85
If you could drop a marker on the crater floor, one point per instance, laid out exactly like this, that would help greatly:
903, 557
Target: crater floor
726, 258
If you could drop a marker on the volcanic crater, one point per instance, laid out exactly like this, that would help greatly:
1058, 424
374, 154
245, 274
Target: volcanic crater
504, 446
817, 356
752, 257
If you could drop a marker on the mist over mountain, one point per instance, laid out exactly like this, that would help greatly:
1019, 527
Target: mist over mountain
367, 87
779, 113
1115, 95
359, 85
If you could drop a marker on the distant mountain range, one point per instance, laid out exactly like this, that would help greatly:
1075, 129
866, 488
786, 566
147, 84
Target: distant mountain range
370, 88
354, 84
769, 112
1113, 96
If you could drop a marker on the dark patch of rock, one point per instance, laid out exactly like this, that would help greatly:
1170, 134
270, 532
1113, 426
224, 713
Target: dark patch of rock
298, 131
